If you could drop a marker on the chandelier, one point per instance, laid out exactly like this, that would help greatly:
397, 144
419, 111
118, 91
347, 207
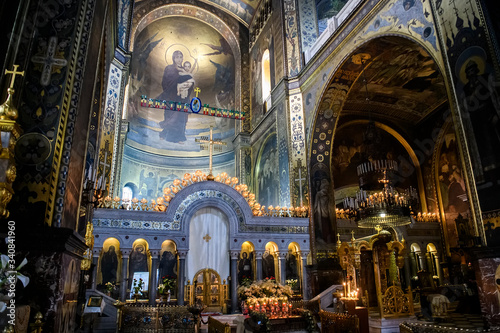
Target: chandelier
378, 204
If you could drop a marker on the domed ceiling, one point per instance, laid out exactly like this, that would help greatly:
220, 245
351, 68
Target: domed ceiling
242, 10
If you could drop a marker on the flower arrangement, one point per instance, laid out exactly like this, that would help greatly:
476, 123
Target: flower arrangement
110, 286
9, 277
246, 281
167, 283
292, 283
138, 284
266, 291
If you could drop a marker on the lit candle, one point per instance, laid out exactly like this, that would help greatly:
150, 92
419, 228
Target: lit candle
344, 289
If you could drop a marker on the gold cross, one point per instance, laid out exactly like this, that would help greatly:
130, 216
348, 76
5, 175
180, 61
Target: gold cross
211, 142
207, 237
14, 73
197, 90
378, 228
352, 233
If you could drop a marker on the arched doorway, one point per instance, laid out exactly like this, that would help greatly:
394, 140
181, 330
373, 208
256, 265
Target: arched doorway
207, 287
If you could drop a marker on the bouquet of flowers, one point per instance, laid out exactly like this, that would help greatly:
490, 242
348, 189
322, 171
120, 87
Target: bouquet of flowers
167, 283
110, 286
292, 283
262, 291
138, 286
246, 281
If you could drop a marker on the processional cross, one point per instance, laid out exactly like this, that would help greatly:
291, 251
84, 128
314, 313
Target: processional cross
14, 73
210, 142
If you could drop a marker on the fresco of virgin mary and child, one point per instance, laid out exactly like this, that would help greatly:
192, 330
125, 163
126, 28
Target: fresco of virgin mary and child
172, 57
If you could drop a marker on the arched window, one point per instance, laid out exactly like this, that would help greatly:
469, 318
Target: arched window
127, 195
266, 76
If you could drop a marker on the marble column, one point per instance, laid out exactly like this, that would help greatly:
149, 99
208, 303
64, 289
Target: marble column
413, 264
303, 274
258, 264
123, 279
428, 262
435, 257
153, 277
95, 262
181, 278
282, 264
234, 280
421, 260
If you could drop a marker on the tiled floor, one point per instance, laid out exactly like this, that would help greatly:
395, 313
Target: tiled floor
457, 320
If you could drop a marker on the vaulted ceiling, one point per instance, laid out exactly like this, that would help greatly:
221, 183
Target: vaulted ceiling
404, 84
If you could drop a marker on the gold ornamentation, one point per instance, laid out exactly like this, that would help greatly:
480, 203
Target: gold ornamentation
210, 142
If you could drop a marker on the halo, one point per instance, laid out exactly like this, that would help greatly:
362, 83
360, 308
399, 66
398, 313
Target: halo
178, 47
474, 53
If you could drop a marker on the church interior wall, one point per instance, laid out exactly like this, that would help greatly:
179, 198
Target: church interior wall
431, 71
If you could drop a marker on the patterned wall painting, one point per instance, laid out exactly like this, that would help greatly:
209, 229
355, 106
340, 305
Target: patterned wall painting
267, 174
469, 54
243, 9
124, 7
203, 59
452, 186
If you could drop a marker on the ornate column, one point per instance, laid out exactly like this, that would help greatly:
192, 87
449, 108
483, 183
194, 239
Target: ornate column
234, 280
258, 263
303, 273
123, 278
282, 263
153, 276
10, 132
428, 261
181, 278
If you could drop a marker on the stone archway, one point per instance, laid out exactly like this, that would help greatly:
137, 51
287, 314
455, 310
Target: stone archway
393, 68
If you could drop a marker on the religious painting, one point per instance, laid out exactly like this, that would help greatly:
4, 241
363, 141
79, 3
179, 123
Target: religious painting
471, 58
269, 262
110, 261
245, 263
176, 59
451, 186
292, 271
138, 260
244, 10
168, 260
266, 174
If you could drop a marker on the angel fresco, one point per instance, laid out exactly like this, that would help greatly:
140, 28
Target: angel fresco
148, 185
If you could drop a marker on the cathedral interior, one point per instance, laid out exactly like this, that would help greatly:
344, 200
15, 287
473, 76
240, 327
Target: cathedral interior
159, 157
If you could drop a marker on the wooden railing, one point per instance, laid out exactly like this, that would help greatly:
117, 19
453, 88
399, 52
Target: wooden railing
133, 318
